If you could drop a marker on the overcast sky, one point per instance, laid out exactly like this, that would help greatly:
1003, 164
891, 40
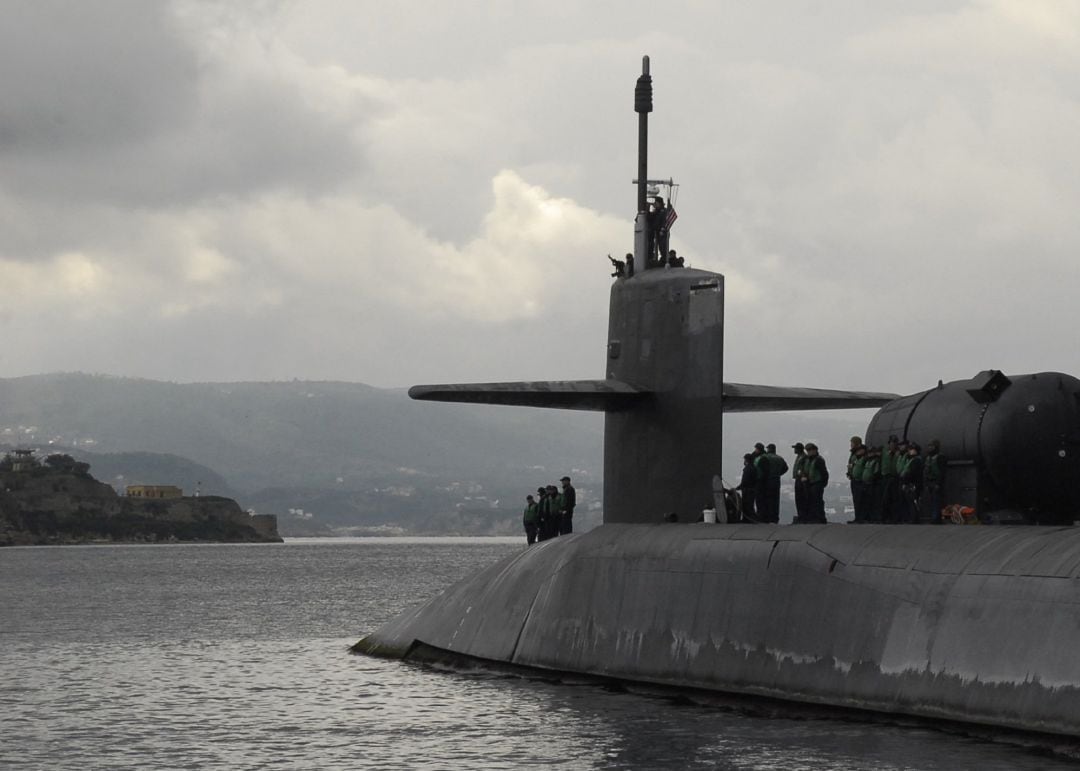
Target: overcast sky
407, 192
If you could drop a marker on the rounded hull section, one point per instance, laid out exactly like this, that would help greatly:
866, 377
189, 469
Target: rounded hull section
964, 623
1013, 443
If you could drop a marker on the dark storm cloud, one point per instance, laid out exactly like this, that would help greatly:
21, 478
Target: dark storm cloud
86, 77
114, 101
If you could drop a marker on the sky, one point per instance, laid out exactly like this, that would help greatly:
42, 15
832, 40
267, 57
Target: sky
423, 192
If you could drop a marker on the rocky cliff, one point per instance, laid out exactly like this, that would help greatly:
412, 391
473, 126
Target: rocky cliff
45, 505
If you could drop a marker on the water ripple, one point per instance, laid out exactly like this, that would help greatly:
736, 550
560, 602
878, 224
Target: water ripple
236, 658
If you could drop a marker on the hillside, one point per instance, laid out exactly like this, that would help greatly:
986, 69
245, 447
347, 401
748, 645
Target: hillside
62, 503
299, 433
121, 469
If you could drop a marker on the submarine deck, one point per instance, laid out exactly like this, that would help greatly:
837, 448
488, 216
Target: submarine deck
961, 623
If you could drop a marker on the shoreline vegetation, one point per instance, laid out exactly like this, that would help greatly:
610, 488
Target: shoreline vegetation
58, 503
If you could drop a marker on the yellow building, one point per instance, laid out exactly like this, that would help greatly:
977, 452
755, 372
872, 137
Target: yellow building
154, 491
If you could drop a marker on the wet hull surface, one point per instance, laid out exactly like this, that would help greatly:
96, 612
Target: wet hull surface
964, 623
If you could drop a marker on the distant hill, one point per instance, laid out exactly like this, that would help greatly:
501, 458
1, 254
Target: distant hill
298, 433
344, 454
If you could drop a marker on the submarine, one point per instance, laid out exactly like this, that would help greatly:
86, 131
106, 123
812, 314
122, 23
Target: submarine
974, 624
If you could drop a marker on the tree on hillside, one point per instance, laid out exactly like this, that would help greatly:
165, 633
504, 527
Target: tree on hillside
65, 463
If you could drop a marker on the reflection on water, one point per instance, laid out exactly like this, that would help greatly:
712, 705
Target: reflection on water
236, 657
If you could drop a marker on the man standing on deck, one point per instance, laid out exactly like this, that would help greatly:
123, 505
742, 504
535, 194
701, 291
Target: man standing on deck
555, 506
911, 479
890, 488
747, 488
531, 518
933, 492
775, 468
871, 486
856, 484
761, 484
569, 501
543, 511
816, 475
801, 510
856, 465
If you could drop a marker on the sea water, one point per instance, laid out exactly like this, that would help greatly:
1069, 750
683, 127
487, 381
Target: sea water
236, 657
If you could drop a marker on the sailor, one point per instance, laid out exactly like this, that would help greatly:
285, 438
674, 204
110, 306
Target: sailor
543, 514
619, 265
761, 474
933, 492
902, 457
816, 476
871, 485
856, 464
657, 236
902, 461
569, 502
775, 468
629, 264
555, 505
531, 517
889, 486
856, 443
674, 260
911, 475
800, 485
747, 488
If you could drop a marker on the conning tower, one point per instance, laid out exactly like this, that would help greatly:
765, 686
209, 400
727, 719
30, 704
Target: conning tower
663, 393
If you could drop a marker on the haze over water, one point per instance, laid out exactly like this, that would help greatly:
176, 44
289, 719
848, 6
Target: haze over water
235, 656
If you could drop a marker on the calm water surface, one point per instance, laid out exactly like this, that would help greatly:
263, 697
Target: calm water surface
235, 657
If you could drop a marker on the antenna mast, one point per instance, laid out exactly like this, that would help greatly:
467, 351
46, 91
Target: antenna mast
643, 106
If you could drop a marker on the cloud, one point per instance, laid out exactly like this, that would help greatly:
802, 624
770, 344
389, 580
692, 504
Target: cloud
394, 194
998, 36
309, 286
139, 104
87, 78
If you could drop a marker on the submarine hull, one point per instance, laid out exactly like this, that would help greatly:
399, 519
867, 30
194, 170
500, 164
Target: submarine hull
964, 623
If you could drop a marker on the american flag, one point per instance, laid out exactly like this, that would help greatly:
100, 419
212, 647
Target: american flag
670, 217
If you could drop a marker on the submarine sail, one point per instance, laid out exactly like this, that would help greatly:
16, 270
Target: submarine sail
663, 394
